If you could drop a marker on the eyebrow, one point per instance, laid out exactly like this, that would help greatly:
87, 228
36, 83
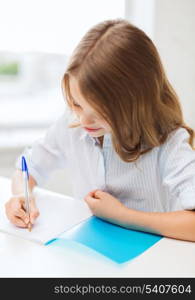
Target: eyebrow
78, 103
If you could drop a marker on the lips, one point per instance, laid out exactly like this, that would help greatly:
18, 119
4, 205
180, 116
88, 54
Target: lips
92, 129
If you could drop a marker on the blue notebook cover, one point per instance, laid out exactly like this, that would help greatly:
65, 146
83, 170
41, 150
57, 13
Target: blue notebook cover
115, 242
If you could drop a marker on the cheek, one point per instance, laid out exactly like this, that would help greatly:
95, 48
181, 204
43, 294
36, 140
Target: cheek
105, 125
76, 113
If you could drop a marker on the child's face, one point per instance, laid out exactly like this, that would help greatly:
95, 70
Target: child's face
89, 119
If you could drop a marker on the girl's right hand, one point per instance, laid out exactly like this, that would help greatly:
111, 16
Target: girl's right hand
15, 210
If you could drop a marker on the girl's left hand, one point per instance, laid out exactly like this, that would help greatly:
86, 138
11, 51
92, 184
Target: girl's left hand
105, 206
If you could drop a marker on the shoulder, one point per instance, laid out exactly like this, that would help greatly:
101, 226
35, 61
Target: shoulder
176, 146
176, 140
178, 135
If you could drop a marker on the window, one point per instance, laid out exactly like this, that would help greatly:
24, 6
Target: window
37, 37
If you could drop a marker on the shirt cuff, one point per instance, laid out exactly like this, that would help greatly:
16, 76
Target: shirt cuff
187, 198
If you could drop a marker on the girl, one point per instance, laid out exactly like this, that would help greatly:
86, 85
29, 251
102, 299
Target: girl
123, 139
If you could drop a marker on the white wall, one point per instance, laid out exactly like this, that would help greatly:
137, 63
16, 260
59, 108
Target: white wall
49, 25
171, 25
175, 38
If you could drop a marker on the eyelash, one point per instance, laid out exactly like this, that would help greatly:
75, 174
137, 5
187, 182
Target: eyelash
75, 104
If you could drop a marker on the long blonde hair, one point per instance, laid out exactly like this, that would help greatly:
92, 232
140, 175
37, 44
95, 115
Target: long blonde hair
121, 76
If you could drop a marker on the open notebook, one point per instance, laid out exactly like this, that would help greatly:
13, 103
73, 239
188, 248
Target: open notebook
58, 213
63, 218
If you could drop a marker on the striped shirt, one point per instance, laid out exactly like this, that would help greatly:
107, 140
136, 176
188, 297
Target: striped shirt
161, 180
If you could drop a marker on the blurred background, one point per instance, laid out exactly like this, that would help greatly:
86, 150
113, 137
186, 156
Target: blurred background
38, 36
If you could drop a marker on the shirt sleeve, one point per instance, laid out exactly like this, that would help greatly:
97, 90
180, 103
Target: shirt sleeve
177, 165
46, 154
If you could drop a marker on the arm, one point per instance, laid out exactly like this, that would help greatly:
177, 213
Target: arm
177, 224
46, 154
44, 157
177, 166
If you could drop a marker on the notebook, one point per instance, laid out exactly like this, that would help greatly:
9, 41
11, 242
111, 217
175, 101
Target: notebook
114, 242
63, 218
58, 213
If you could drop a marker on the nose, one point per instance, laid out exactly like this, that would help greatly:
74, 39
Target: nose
86, 120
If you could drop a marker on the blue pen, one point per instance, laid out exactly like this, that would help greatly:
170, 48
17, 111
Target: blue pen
26, 192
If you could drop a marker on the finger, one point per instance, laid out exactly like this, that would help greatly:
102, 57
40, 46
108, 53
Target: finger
22, 215
99, 193
92, 193
18, 222
33, 215
89, 196
31, 200
90, 200
15, 209
21, 201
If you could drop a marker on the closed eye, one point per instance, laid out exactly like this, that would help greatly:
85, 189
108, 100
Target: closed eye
75, 104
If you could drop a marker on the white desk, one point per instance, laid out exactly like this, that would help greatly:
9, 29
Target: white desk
21, 258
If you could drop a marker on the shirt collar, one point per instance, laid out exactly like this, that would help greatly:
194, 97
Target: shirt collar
84, 136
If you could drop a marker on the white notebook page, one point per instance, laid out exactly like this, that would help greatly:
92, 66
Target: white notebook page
58, 213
